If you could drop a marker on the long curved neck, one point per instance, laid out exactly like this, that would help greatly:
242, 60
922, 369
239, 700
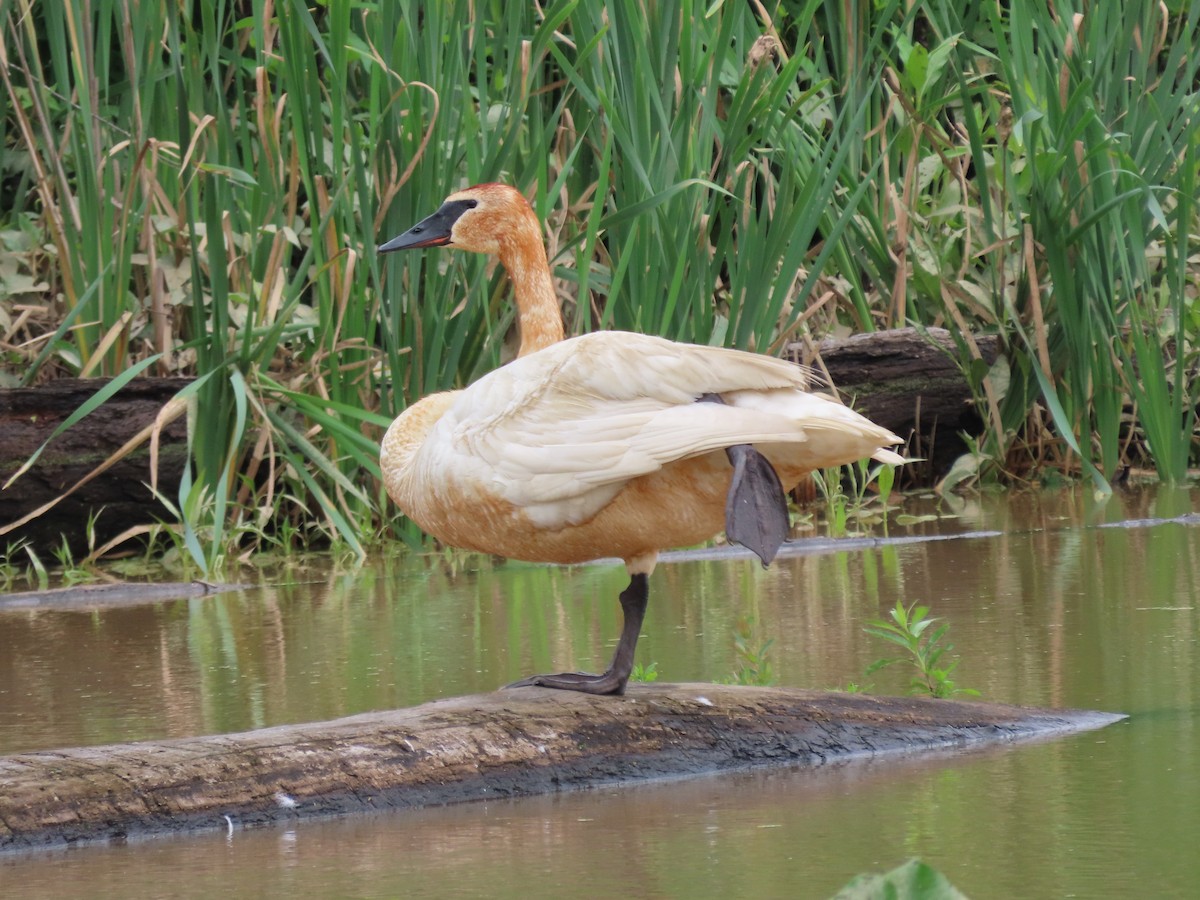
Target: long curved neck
538, 316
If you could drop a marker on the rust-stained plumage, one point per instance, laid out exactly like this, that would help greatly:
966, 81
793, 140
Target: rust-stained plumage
606, 445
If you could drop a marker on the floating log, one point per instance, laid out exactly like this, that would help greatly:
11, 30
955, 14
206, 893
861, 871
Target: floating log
510, 743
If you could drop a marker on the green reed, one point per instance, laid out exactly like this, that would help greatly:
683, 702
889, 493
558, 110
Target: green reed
923, 648
1088, 127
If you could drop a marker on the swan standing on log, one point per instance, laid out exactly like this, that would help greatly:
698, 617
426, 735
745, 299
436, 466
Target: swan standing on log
610, 444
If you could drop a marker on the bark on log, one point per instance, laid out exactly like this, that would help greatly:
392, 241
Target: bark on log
506, 744
909, 383
28, 416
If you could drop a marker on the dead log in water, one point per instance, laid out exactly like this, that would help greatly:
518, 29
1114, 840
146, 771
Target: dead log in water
506, 744
908, 381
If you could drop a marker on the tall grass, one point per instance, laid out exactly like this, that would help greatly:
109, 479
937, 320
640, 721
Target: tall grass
202, 193
1082, 133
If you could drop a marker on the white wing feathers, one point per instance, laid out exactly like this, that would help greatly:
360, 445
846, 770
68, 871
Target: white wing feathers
836, 433
616, 365
559, 432
552, 462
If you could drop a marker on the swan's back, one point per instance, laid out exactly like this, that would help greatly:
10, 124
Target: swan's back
597, 446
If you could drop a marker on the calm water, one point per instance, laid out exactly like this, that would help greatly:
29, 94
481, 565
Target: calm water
1052, 610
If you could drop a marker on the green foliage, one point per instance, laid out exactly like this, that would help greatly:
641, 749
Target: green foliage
20, 564
12, 568
865, 501
69, 571
853, 687
643, 673
914, 880
837, 504
924, 651
37, 570
754, 668
1083, 142
200, 192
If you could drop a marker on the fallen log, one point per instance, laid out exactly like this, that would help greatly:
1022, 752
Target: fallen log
506, 744
910, 382
116, 499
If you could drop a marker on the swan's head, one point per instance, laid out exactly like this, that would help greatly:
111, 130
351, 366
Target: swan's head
480, 219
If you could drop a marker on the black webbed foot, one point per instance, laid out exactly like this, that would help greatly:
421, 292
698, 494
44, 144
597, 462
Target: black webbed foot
756, 513
606, 683
613, 681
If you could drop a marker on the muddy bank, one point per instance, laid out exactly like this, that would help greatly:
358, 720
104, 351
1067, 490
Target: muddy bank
505, 744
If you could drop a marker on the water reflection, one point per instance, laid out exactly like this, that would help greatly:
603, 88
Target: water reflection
1055, 610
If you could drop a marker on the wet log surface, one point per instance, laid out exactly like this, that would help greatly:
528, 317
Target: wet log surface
506, 744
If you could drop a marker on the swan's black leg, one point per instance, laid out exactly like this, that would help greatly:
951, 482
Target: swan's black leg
613, 681
756, 513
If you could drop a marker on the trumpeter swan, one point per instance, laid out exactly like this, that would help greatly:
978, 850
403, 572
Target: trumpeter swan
610, 444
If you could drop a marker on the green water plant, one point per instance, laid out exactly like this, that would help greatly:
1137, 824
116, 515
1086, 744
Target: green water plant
37, 569
853, 687
1083, 140
12, 569
924, 650
644, 673
837, 503
200, 192
914, 880
70, 571
858, 492
752, 655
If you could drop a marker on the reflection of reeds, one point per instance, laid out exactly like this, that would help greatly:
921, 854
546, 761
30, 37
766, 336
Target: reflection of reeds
1055, 611
201, 194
